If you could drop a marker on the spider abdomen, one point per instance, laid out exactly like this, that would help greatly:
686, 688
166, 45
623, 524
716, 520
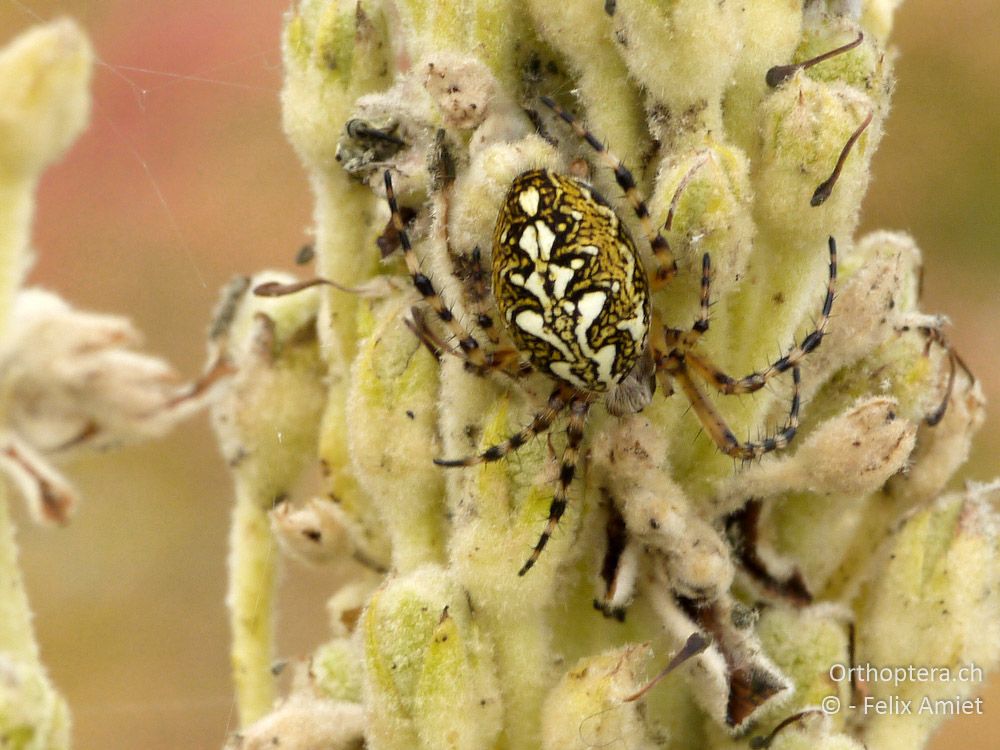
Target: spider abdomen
568, 281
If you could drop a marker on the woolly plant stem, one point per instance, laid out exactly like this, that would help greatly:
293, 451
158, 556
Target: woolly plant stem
17, 637
17, 199
252, 575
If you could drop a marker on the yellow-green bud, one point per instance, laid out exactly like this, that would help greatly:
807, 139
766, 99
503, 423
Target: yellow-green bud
391, 416
705, 193
269, 412
305, 722
430, 675
334, 52
336, 670
932, 600
805, 126
44, 96
587, 707
674, 51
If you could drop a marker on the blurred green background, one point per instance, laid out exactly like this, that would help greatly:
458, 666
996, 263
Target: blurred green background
184, 179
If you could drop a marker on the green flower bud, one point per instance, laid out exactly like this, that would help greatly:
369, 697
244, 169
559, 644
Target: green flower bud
430, 676
854, 453
805, 126
44, 105
943, 448
393, 393
931, 600
334, 52
44, 97
336, 670
672, 50
267, 418
814, 736
805, 643
876, 287
770, 31
877, 16
863, 67
587, 707
705, 195
584, 34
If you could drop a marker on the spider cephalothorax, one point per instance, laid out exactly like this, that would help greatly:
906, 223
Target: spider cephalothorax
574, 296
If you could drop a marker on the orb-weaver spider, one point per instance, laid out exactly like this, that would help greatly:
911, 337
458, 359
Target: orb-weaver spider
571, 289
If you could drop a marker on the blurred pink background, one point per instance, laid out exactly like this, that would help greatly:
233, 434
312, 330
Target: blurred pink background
185, 179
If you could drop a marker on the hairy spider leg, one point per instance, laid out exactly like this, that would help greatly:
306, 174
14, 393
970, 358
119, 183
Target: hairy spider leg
470, 350
479, 293
541, 422
685, 340
723, 383
666, 265
716, 426
579, 407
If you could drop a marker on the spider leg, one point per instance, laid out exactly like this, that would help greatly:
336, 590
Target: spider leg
685, 340
666, 264
425, 286
479, 360
727, 384
417, 323
578, 409
475, 276
716, 426
541, 422
505, 360
467, 268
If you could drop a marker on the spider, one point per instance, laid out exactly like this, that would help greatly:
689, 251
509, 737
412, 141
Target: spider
574, 297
